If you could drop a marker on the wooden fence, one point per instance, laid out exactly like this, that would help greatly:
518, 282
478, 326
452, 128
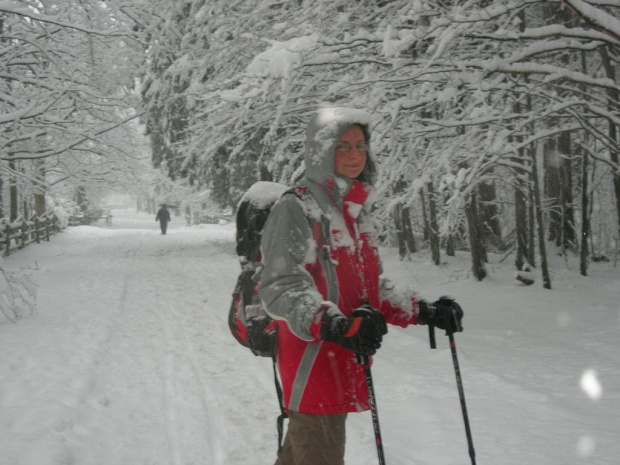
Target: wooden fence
19, 233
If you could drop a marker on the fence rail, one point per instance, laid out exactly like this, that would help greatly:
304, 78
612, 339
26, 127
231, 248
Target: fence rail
19, 233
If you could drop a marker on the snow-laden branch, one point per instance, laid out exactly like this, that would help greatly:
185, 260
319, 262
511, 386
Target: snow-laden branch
544, 134
32, 111
552, 72
599, 134
555, 30
596, 156
545, 32
597, 18
9, 7
75, 143
550, 47
490, 12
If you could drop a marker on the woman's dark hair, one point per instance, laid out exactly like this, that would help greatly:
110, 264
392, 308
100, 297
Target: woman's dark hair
364, 129
368, 173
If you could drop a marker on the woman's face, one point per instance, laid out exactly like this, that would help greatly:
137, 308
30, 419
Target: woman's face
351, 153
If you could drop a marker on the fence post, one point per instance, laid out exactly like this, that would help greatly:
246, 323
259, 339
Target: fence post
47, 228
24, 233
7, 238
7, 232
36, 229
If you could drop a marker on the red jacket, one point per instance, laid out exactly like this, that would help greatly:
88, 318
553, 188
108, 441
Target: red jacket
321, 377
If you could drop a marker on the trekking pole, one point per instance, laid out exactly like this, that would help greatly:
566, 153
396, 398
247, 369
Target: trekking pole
459, 385
363, 360
431, 336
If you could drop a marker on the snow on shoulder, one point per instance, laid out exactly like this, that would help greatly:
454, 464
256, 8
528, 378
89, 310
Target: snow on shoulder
263, 193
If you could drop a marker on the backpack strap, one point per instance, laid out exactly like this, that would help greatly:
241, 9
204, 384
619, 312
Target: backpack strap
323, 238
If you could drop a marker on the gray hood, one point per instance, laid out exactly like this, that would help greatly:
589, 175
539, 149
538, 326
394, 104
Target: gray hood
322, 136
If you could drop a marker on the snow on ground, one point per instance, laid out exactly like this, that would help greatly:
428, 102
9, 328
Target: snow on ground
128, 360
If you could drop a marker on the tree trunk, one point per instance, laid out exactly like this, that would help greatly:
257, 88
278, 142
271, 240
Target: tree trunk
408, 229
612, 130
402, 222
559, 191
1, 196
585, 208
529, 187
264, 173
531, 249
39, 196
491, 230
39, 204
476, 242
433, 224
400, 234
552, 184
522, 213
426, 235
25, 210
566, 192
541, 225
521, 227
80, 198
13, 193
585, 219
450, 248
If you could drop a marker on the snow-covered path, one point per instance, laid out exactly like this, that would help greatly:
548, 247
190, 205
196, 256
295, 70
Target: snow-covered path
129, 360
124, 333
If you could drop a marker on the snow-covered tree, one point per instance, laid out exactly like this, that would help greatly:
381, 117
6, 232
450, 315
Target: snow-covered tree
482, 109
66, 79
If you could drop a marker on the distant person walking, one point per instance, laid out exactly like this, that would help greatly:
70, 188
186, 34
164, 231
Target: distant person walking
163, 216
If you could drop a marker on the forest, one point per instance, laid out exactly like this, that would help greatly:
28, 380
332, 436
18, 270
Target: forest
495, 122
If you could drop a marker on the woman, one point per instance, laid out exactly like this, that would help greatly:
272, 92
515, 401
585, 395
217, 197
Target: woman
320, 282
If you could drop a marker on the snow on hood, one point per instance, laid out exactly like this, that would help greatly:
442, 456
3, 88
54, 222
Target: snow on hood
263, 193
322, 136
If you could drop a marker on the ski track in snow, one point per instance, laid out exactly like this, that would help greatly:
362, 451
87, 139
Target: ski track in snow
149, 364
129, 360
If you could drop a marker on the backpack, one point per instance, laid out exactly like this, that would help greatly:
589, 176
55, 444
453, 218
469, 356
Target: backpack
249, 323
247, 319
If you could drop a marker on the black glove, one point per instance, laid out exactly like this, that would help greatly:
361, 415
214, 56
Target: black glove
374, 314
361, 333
444, 313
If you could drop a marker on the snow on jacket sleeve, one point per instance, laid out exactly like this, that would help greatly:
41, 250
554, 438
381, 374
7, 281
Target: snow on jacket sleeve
399, 306
287, 289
